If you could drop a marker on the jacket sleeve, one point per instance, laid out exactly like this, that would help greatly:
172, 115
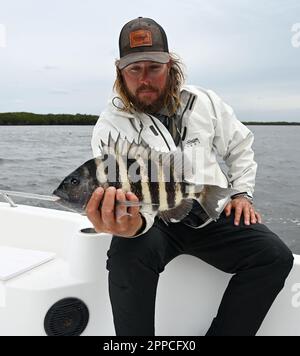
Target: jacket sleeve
233, 142
101, 131
149, 222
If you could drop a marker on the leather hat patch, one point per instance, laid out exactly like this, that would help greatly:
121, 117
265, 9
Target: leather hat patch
140, 38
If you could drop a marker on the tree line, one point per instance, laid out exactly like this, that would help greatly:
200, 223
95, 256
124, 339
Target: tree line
25, 118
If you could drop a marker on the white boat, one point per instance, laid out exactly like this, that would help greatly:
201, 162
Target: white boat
54, 282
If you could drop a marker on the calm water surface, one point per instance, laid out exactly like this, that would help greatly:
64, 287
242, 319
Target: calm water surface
36, 158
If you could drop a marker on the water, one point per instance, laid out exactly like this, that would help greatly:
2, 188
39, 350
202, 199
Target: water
36, 158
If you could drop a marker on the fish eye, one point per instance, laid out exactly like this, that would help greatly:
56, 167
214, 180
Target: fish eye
75, 181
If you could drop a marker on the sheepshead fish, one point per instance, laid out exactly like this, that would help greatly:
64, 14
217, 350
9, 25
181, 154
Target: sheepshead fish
160, 180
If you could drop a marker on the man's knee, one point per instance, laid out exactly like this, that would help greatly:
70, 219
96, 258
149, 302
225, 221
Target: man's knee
278, 257
269, 254
135, 256
285, 261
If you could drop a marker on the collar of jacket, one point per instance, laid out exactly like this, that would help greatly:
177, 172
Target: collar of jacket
148, 127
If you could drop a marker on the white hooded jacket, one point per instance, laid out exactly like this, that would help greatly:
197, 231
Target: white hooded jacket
206, 121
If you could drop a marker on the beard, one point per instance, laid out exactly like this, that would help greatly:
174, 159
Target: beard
148, 108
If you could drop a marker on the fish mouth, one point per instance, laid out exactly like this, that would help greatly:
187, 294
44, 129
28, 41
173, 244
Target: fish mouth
60, 194
68, 200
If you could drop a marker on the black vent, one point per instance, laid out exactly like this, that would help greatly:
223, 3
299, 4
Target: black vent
67, 317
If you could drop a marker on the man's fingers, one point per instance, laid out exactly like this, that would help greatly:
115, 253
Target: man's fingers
248, 211
133, 210
258, 217
121, 210
238, 213
108, 207
253, 217
228, 209
92, 208
246, 215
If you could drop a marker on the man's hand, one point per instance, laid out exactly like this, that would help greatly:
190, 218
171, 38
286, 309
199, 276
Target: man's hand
111, 219
242, 205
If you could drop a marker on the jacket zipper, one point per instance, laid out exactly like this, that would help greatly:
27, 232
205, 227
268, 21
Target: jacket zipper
187, 105
182, 137
166, 142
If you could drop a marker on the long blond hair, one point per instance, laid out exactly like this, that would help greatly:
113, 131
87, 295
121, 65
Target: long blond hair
172, 98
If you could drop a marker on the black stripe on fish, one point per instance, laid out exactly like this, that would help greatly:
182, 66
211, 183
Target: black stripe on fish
105, 158
118, 183
153, 184
170, 183
112, 177
184, 189
92, 168
198, 195
136, 184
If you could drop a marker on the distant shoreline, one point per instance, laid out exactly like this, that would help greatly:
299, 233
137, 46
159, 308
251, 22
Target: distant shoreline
274, 123
24, 119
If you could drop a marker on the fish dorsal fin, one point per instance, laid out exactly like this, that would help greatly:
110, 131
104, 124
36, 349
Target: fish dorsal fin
113, 147
177, 213
111, 142
176, 161
141, 150
123, 147
135, 151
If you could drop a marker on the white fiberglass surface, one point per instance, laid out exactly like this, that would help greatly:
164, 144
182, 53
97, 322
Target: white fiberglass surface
38, 228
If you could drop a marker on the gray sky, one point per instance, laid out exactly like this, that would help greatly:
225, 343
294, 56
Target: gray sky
59, 54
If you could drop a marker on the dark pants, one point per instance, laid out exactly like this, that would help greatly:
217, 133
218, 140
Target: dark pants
259, 260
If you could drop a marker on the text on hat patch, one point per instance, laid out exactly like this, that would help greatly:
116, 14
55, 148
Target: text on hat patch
140, 38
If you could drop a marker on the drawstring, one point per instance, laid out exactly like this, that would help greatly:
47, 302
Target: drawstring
131, 118
120, 108
116, 106
171, 120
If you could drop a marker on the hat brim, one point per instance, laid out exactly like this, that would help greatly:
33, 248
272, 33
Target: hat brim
159, 57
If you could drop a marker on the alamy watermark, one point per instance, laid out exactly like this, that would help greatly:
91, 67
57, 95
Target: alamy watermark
144, 164
2, 36
296, 295
296, 37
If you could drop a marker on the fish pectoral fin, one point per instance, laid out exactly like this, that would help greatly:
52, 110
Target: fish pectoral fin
177, 213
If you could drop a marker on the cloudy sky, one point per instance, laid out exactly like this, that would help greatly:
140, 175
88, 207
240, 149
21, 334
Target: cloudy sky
56, 56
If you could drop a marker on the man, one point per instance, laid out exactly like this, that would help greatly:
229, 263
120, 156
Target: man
153, 104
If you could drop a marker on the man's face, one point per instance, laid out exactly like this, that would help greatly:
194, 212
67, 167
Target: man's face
146, 84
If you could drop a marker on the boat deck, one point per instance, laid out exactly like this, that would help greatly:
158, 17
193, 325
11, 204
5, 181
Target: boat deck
188, 285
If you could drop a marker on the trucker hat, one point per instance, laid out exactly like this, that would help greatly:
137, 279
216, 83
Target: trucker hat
142, 39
